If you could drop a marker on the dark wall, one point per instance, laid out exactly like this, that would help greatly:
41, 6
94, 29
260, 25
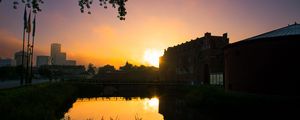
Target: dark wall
264, 66
194, 60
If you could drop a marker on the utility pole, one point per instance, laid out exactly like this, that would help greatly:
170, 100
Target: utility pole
32, 45
23, 52
27, 76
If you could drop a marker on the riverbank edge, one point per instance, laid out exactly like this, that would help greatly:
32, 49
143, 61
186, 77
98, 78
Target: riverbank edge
45, 101
50, 101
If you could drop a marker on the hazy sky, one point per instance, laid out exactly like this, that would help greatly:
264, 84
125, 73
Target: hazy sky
101, 38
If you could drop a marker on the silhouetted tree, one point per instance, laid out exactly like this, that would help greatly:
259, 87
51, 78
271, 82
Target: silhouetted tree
128, 72
91, 69
127, 67
83, 4
106, 69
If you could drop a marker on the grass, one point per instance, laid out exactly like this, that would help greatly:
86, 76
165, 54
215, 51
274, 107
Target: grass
50, 100
36, 102
46, 101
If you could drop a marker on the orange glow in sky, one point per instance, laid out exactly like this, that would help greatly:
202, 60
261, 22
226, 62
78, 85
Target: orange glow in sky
150, 27
151, 56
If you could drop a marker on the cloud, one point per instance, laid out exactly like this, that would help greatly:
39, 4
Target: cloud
10, 44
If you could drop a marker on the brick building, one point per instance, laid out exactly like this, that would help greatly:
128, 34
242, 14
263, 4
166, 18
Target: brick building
197, 61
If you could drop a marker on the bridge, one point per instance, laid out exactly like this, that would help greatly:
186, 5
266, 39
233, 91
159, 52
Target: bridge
130, 83
126, 87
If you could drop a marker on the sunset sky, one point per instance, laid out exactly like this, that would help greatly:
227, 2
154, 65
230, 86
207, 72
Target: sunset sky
101, 38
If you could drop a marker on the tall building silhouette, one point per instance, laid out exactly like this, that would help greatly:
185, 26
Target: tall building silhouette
58, 57
42, 60
18, 58
55, 49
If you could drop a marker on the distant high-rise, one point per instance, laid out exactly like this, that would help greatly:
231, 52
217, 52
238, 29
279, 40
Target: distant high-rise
42, 60
55, 49
18, 58
61, 59
58, 57
56, 54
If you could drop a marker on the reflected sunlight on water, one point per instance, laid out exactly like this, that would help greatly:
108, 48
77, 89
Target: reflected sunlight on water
114, 108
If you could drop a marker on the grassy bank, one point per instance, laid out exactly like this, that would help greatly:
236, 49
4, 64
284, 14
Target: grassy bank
50, 100
44, 101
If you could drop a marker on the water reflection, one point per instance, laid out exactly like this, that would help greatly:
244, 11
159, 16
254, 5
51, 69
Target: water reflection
114, 108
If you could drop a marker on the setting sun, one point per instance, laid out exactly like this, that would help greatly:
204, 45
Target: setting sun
151, 104
151, 57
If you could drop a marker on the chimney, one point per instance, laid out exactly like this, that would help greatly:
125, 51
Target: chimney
207, 34
225, 35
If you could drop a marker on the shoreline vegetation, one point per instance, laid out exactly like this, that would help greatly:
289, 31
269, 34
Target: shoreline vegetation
52, 100
36, 102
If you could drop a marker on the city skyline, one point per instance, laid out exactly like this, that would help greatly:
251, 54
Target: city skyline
88, 38
149, 59
56, 57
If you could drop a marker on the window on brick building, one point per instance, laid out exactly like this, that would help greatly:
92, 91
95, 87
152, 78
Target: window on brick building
216, 79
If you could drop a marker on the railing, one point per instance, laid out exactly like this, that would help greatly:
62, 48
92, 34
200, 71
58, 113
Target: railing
127, 82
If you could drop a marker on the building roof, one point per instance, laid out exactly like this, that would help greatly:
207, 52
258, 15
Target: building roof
289, 30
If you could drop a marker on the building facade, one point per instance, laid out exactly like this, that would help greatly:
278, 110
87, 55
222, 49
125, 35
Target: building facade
61, 58
58, 57
43, 60
199, 61
265, 64
18, 58
7, 62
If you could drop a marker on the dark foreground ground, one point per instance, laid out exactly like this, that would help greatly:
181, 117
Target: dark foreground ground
49, 101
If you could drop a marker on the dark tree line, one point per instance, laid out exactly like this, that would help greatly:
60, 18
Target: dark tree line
127, 72
106, 69
128, 67
91, 69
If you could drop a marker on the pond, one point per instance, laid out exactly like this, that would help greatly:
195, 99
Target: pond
114, 108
